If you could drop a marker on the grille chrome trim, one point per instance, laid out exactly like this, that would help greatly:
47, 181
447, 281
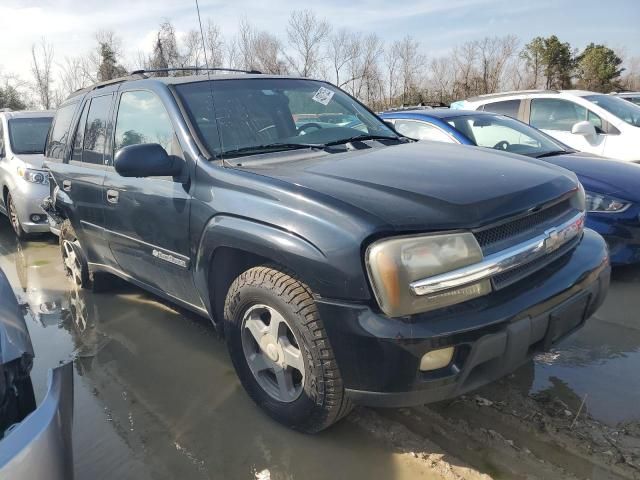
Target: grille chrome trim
501, 262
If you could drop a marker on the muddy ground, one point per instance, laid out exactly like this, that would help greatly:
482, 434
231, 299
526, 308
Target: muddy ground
156, 397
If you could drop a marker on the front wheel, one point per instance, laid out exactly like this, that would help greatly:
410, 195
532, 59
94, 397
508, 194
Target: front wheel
12, 213
280, 350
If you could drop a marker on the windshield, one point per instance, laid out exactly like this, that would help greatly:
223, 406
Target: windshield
507, 134
259, 115
28, 135
624, 110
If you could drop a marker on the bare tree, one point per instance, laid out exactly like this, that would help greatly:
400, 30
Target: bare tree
258, 50
493, 55
442, 78
71, 77
214, 45
306, 34
42, 58
343, 48
410, 64
364, 73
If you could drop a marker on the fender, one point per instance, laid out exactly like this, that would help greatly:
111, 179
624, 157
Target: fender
326, 277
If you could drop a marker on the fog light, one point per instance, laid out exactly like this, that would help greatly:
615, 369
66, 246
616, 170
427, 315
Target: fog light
436, 359
37, 218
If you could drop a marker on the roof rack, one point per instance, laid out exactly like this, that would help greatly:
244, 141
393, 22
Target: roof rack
181, 69
512, 92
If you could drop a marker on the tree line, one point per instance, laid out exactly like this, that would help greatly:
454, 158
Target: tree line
381, 74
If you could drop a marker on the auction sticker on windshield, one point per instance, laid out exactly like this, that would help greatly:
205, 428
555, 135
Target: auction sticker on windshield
323, 96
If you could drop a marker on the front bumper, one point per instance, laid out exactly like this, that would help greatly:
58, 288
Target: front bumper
379, 357
27, 198
40, 446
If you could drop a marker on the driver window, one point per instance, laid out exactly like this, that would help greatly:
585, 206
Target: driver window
142, 118
556, 114
421, 131
595, 120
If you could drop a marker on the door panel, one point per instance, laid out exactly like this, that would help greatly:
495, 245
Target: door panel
147, 219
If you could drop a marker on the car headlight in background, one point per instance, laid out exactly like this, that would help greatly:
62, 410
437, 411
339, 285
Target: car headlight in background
34, 176
393, 264
596, 202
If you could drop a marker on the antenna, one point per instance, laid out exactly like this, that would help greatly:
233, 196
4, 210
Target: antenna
206, 62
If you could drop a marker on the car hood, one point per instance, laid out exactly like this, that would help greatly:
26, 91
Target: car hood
14, 336
602, 175
432, 186
33, 160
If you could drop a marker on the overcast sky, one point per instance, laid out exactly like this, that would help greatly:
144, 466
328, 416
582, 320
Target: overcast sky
439, 24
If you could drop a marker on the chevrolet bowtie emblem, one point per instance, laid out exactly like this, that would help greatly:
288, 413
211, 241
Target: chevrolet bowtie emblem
553, 239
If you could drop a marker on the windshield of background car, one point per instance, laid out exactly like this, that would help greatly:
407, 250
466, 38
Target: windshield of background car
624, 110
503, 133
262, 112
28, 135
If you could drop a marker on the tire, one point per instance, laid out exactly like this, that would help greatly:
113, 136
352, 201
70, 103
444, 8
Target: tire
14, 220
73, 257
316, 398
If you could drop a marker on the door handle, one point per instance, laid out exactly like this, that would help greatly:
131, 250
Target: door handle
112, 196
66, 185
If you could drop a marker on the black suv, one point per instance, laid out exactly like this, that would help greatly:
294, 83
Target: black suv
343, 263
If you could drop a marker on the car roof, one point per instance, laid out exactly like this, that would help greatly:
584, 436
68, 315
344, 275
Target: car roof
176, 80
436, 113
518, 94
28, 114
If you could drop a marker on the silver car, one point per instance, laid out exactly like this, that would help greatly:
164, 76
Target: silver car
23, 182
34, 442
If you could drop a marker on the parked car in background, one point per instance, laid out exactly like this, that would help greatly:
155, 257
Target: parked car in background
343, 264
612, 186
34, 442
23, 183
633, 97
585, 121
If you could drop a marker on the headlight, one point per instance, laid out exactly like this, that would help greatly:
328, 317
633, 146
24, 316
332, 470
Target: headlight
34, 176
602, 203
394, 263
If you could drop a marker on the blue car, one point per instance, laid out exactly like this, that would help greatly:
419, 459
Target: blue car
612, 187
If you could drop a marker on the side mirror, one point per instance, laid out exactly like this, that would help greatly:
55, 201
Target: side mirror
586, 129
146, 160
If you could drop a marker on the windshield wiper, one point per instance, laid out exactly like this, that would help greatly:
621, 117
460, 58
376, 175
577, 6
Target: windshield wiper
271, 147
361, 138
552, 153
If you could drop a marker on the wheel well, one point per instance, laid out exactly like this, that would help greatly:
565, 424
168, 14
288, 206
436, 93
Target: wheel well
227, 263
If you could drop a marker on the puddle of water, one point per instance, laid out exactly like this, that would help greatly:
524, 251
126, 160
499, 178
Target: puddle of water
156, 395
602, 360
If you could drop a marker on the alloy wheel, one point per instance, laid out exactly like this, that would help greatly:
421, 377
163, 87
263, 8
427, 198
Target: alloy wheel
71, 261
273, 353
13, 216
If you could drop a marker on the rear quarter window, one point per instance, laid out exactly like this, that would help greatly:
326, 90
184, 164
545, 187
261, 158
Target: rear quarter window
59, 135
506, 107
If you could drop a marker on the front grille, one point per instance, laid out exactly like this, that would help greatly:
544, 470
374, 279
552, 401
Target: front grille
505, 279
498, 237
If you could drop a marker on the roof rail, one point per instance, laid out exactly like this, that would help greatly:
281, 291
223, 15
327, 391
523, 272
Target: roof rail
513, 92
142, 71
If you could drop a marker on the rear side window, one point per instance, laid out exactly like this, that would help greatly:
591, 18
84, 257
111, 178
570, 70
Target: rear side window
142, 118
507, 107
60, 131
95, 130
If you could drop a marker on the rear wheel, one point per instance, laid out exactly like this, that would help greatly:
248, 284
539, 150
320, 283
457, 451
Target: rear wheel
280, 350
12, 213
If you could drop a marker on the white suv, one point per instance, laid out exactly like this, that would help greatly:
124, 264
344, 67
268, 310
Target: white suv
586, 121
